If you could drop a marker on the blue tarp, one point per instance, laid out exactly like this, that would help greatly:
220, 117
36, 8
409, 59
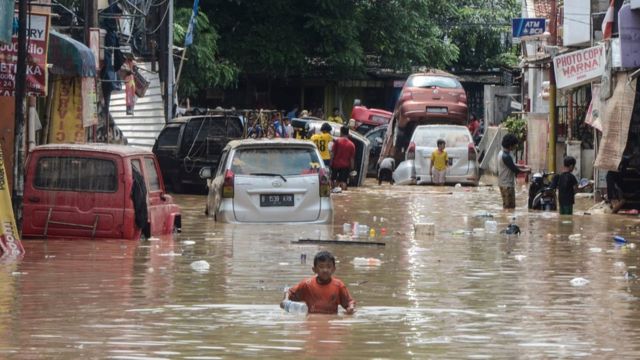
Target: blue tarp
70, 57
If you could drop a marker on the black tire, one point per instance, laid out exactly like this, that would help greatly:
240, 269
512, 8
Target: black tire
176, 186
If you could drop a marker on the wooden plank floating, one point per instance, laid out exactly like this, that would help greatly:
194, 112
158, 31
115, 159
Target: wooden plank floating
340, 242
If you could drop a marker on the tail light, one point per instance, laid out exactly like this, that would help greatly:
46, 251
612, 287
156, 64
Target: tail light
411, 151
227, 187
325, 183
406, 95
472, 151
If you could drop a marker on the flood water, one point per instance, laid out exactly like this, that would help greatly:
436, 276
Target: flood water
456, 294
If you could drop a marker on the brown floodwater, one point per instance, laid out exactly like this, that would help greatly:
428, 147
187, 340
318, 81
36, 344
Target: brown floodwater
457, 294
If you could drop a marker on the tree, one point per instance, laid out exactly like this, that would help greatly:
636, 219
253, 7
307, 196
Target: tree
480, 28
331, 38
403, 34
203, 69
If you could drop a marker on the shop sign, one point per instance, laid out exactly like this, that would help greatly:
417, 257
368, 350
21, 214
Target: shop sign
37, 40
527, 27
10, 245
579, 67
66, 112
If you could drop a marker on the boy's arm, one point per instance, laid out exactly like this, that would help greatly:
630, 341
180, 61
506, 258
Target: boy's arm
431, 165
508, 161
347, 301
285, 298
291, 294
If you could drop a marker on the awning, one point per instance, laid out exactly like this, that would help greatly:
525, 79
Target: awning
70, 57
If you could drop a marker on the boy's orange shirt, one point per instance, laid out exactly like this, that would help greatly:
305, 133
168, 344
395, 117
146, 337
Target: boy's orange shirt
322, 298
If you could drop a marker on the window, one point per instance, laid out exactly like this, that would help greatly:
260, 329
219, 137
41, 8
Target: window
434, 81
152, 174
453, 137
169, 137
76, 174
283, 161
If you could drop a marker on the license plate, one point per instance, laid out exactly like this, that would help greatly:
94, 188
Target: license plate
267, 200
437, 110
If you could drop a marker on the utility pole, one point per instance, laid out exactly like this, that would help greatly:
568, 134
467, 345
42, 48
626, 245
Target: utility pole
170, 67
553, 112
20, 94
90, 19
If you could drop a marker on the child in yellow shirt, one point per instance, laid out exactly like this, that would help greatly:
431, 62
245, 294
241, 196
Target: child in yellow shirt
439, 163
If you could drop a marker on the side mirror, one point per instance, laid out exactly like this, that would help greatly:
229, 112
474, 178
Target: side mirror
205, 173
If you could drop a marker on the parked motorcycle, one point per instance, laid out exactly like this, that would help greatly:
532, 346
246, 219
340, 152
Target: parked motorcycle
541, 195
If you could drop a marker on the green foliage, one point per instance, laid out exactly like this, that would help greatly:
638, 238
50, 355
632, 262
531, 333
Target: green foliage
405, 33
332, 38
202, 68
481, 30
518, 127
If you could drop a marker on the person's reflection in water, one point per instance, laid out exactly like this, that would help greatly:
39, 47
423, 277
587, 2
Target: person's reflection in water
326, 336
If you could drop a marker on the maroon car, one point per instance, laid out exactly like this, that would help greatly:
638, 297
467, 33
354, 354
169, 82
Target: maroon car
433, 97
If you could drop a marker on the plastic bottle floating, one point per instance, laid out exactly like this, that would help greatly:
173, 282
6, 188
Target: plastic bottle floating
295, 307
362, 261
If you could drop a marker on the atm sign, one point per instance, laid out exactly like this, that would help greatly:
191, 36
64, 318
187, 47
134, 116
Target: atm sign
523, 27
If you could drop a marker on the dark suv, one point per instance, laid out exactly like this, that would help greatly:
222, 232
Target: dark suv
187, 144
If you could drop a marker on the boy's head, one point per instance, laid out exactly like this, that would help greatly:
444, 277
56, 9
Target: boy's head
324, 265
344, 130
326, 128
569, 162
509, 141
441, 143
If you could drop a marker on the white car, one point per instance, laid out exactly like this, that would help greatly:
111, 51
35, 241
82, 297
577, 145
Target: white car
269, 181
463, 166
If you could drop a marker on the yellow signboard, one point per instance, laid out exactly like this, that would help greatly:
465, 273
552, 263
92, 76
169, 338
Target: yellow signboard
10, 245
66, 112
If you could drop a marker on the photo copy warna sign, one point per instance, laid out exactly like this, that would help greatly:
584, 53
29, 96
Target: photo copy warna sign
579, 67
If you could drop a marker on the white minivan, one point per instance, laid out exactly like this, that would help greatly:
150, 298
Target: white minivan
269, 181
463, 166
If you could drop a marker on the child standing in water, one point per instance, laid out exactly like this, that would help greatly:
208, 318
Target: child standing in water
322, 293
439, 163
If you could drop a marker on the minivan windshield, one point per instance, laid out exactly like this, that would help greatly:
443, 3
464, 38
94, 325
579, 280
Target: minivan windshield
454, 136
283, 161
427, 81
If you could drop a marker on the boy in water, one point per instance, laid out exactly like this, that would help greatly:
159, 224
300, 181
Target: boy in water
439, 163
322, 293
507, 171
567, 186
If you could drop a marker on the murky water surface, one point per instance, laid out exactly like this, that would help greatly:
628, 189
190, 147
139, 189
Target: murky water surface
457, 294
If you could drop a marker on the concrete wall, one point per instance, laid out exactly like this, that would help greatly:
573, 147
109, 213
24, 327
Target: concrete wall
497, 103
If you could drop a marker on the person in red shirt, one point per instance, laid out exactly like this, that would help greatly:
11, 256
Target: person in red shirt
322, 293
474, 128
343, 158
